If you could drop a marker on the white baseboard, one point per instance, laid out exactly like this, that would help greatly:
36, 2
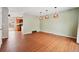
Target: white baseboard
59, 34
52, 33
29, 32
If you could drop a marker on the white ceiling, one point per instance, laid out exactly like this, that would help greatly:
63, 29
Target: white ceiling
35, 10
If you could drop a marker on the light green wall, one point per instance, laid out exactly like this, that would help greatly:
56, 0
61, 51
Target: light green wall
65, 25
30, 23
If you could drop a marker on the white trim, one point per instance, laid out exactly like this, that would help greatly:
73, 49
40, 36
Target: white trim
27, 32
52, 33
0, 44
59, 34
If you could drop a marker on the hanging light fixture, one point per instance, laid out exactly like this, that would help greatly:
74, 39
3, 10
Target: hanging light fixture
41, 17
55, 14
46, 16
8, 15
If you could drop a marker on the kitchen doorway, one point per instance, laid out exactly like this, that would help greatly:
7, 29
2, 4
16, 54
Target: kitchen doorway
15, 24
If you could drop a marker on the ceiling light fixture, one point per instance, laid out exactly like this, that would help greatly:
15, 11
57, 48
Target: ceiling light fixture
46, 16
8, 15
56, 13
41, 17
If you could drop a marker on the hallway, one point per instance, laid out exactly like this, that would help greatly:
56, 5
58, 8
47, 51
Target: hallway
11, 44
38, 42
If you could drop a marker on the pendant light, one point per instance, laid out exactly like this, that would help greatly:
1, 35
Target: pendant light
46, 16
41, 17
55, 14
8, 15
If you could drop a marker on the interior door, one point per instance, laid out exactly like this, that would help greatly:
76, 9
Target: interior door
0, 26
0, 36
78, 31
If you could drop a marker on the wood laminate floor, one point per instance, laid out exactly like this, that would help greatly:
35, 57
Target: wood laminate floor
39, 42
